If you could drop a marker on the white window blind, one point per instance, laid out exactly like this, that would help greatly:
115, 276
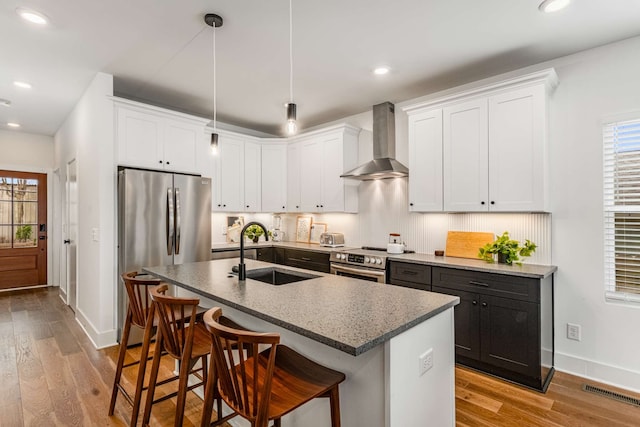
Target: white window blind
622, 210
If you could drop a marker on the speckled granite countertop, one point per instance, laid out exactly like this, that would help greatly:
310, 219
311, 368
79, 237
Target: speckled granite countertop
525, 270
347, 314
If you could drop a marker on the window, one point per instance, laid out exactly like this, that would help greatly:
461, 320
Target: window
18, 212
622, 210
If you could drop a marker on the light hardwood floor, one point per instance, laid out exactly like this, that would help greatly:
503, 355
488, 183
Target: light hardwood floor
50, 374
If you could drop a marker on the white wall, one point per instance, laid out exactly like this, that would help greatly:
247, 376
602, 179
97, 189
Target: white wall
87, 135
28, 152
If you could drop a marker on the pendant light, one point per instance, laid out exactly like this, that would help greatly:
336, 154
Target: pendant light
214, 21
291, 106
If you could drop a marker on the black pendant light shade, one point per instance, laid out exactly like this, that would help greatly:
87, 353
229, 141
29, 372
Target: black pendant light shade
214, 143
291, 118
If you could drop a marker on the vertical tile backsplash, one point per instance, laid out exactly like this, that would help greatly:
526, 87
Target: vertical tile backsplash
383, 209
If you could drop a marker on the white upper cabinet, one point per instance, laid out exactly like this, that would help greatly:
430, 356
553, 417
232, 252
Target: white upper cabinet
517, 129
252, 177
324, 156
228, 188
425, 161
493, 144
465, 151
274, 177
293, 177
155, 138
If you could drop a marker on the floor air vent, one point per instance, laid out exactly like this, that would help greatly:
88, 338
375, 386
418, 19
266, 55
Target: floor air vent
611, 395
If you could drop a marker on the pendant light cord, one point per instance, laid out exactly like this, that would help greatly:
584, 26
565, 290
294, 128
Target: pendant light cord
215, 63
290, 52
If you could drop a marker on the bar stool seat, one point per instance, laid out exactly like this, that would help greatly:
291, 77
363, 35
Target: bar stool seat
270, 384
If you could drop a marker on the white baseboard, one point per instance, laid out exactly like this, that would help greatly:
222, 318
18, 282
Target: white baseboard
596, 371
98, 339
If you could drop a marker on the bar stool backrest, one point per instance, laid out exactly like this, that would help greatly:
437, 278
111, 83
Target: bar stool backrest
137, 287
174, 317
243, 384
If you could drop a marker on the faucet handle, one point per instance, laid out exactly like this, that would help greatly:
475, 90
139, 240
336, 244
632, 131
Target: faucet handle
234, 269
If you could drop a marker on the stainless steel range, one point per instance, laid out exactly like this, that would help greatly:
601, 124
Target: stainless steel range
367, 263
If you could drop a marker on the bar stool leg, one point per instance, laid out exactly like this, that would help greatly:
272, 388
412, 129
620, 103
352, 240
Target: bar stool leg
155, 367
334, 402
144, 354
121, 356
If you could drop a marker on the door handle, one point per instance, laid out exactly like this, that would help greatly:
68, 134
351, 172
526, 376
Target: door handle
178, 220
170, 221
66, 242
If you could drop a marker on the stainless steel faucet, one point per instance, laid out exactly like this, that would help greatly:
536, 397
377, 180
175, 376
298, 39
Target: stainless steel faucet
242, 269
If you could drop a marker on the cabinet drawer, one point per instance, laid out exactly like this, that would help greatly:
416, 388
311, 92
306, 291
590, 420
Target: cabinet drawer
310, 260
513, 287
266, 254
411, 275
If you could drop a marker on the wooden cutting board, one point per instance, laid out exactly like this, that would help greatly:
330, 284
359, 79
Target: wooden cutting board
465, 244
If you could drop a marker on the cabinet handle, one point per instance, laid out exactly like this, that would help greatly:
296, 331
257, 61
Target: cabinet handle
474, 302
219, 205
493, 203
322, 206
160, 161
317, 206
409, 273
224, 206
247, 206
482, 202
297, 207
168, 163
283, 207
473, 282
484, 304
306, 259
410, 204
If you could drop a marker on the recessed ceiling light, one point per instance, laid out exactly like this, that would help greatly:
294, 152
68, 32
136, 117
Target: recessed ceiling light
5, 102
549, 6
380, 71
32, 16
13, 125
23, 85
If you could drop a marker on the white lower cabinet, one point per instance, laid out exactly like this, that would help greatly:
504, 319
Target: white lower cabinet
154, 138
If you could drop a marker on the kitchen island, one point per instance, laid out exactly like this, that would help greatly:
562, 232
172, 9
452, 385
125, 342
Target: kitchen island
374, 333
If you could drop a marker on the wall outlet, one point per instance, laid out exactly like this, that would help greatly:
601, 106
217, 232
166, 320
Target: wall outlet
94, 234
574, 332
425, 362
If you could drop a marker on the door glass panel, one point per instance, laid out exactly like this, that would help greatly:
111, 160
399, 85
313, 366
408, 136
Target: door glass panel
24, 236
5, 236
18, 212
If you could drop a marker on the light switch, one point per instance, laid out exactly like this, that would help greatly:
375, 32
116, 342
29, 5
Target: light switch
94, 234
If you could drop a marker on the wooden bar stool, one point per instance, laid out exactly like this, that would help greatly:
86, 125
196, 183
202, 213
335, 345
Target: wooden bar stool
271, 384
137, 316
184, 340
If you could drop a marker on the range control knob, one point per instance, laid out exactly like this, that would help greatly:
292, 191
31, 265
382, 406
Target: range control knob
343, 256
378, 261
366, 259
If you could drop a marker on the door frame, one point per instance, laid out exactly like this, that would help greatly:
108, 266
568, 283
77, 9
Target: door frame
71, 297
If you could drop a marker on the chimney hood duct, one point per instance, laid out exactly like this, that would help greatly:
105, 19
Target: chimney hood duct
383, 164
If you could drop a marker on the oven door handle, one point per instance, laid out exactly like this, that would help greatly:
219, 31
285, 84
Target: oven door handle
374, 273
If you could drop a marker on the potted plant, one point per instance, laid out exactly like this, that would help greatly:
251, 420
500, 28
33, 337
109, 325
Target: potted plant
508, 250
254, 232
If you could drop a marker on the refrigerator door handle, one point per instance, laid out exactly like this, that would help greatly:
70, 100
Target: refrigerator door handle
170, 223
178, 220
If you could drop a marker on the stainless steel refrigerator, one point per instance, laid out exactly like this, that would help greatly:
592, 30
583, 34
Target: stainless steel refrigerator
163, 219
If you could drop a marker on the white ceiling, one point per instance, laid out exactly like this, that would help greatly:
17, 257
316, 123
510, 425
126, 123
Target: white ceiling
160, 52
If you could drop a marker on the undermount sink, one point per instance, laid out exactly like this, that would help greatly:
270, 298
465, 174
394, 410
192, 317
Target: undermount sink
278, 276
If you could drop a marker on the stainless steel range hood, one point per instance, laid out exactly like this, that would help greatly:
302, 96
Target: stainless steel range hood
383, 165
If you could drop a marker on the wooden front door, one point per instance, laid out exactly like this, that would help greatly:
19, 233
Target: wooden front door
23, 229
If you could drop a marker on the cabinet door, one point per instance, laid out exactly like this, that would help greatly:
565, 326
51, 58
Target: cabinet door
465, 149
252, 178
139, 139
274, 178
467, 322
510, 334
516, 150
293, 177
332, 167
230, 175
311, 175
425, 161
182, 143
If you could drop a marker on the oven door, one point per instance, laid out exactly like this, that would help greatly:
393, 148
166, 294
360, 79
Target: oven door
363, 273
